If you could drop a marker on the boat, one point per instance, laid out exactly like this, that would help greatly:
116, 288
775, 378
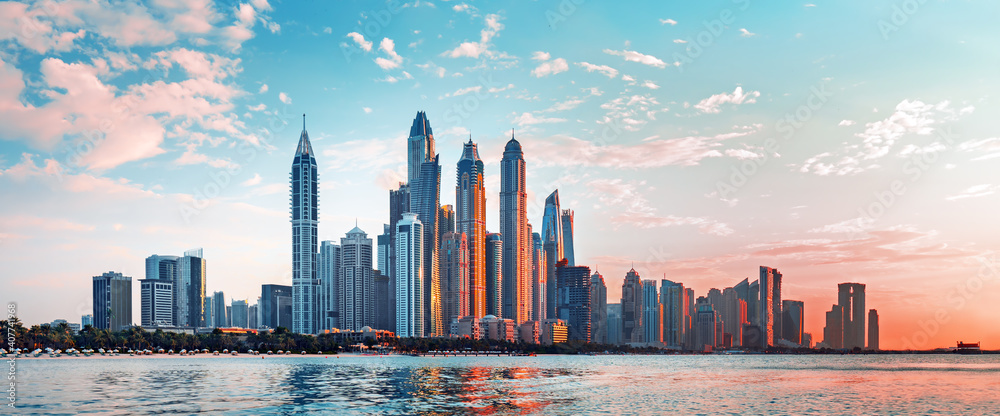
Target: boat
968, 348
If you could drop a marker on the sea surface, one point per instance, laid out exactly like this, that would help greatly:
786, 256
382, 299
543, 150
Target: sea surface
560, 385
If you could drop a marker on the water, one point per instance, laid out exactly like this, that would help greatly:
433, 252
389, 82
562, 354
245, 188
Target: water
750, 384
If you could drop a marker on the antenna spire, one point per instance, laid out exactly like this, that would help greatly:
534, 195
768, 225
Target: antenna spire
303, 121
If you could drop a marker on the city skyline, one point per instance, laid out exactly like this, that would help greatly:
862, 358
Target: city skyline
637, 145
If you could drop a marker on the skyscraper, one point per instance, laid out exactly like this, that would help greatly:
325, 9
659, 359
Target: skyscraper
574, 305
632, 331
517, 245
189, 290
399, 202
734, 314
220, 317
305, 220
705, 328
383, 319
156, 302
651, 328
383, 241
614, 332
770, 305
409, 277
873, 329
674, 298
275, 306
851, 299
539, 277
833, 332
470, 218
426, 202
357, 285
494, 274
447, 219
598, 309
329, 285
567, 236
239, 314
420, 146
792, 320
454, 278
552, 243
112, 301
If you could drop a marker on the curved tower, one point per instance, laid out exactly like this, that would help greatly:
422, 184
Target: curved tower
305, 219
470, 207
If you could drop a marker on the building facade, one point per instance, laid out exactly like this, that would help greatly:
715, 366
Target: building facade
156, 302
454, 278
552, 245
632, 309
356, 284
494, 274
305, 220
598, 309
330, 257
409, 277
516, 235
112, 301
470, 218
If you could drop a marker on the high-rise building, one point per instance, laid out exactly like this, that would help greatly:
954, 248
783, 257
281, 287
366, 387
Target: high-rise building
164, 270
329, 285
426, 202
189, 290
651, 328
734, 314
239, 314
770, 305
112, 301
573, 300
632, 310
517, 244
420, 146
156, 302
674, 299
275, 306
552, 244
253, 316
209, 315
383, 241
598, 309
567, 236
494, 274
614, 332
792, 320
357, 285
383, 318
220, 318
454, 278
86, 320
851, 298
873, 330
470, 218
833, 332
539, 277
399, 202
447, 219
305, 220
705, 329
409, 277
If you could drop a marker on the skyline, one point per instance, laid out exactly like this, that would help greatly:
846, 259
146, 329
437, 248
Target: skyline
134, 194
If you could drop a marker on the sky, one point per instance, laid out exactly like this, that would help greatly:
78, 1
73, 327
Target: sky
846, 141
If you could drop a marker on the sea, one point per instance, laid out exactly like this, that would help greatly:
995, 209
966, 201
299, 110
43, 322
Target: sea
546, 385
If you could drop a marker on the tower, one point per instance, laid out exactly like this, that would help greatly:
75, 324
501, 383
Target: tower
305, 219
632, 308
517, 246
552, 243
769, 313
851, 299
409, 277
356, 284
470, 218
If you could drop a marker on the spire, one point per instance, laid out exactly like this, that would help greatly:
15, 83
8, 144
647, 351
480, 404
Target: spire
305, 147
303, 121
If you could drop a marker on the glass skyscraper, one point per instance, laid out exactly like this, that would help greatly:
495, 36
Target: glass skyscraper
409, 277
552, 243
517, 245
305, 220
470, 218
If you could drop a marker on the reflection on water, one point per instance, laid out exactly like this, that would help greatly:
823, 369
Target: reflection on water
510, 385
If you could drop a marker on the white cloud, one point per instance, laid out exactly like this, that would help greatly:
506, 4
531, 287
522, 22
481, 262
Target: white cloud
527, 119
670, 22
650, 85
550, 68
603, 69
433, 68
359, 39
389, 47
634, 56
255, 180
746, 33
680, 41
541, 56
367, 110
846, 123
263, 89
475, 49
712, 104
284, 98
974, 192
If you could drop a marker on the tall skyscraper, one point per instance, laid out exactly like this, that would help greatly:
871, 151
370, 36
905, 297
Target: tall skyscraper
517, 245
792, 320
189, 289
598, 309
706, 323
833, 332
873, 330
399, 202
632, 309
112, 301
454, 278
156, 302
383, 241
567, 236
220, 316
674, 299
470, 218
420, 146
208, 317
447, 219
357, 284
734, 314
574, 305
615, 324
552, 243
329, 285
539, 277
494, 274
651, 328
239, 314
851, 299
383, 319
770, 305
426, 202
275, 306
305, 220
409, 277
253, 315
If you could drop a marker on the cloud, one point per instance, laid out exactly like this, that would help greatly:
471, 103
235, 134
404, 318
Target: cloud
629, 207
634, 56
670, 22
367, 110
433, 68
550, 68
680, 41
630, 112
527, 119
359, 40
475, 49
846, 123
974, 192
284, 98
541, 56
604, 69
650, 85
746, 33
564, 106
988, 148
263, 89
712, 104
388, 46
255, 180
568, 151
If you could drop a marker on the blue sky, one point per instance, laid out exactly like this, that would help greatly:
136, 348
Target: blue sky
835, 141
